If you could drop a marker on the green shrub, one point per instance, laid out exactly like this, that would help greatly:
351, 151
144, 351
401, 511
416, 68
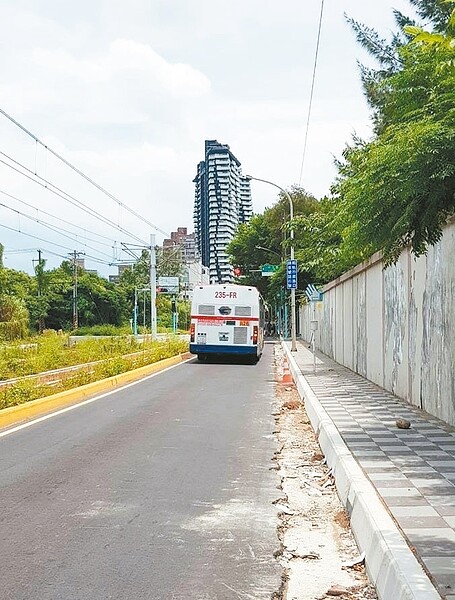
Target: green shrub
98, 330
115, 356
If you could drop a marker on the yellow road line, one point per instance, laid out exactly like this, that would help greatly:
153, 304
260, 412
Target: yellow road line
36, 408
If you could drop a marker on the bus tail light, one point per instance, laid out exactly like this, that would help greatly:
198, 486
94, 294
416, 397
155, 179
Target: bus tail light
192, 331
255, 334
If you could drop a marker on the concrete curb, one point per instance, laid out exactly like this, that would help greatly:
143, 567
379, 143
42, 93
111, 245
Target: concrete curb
390, 563
37, 408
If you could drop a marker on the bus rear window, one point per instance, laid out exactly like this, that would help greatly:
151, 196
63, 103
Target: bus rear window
206, 309
243, 311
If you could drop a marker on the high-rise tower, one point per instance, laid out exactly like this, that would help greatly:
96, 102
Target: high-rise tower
222, 202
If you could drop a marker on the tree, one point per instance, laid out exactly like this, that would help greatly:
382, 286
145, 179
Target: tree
100, 302
14, 290
323, 245
437, 12
39, 308
266, 239
13, 318
169, 262
387, 53
398, 189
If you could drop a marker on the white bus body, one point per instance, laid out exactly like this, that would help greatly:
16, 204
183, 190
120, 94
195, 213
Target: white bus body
227, 319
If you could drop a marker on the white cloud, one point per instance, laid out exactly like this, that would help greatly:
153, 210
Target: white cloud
128, 92
125, 60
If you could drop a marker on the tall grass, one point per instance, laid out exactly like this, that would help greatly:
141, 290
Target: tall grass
49, 352
114, 362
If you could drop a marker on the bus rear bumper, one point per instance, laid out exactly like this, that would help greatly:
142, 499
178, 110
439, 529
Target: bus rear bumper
214, 349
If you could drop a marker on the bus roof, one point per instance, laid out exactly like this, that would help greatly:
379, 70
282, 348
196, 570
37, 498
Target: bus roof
225, 291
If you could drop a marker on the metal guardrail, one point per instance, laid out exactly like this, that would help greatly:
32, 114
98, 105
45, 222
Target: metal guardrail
55, 376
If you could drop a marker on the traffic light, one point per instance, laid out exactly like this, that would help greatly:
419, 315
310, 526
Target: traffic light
174, 305
237, 271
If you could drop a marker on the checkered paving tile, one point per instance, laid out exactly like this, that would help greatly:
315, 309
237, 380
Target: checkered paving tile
413, 470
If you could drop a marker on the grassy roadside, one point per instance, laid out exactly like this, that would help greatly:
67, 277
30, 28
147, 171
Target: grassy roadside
52, 352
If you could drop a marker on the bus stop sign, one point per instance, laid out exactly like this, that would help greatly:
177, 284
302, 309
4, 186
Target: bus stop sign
291, 274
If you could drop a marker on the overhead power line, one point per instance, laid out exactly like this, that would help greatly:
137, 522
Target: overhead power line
313, 79
18, 251
79, 172
55, 228
68, 198
34, 250
67, 248
39, 210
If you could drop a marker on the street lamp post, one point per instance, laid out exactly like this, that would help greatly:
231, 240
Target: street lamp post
268, 250
278, 305
291, 217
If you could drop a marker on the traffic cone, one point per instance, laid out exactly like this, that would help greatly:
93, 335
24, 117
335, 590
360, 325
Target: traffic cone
287, 377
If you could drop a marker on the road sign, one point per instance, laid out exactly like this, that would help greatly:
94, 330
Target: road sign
268, 270
170, 284
313, 294
291, 274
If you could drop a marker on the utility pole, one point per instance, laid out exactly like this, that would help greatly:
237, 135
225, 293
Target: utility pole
75, 314
152, 277
153, 286
174, 314
39, 280
135, 313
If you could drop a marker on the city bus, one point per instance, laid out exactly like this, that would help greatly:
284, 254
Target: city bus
227, 319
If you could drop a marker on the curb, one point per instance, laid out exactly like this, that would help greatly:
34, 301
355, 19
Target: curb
390, 563
37, 408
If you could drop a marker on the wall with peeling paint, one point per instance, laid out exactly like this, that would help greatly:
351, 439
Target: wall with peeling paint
395, 326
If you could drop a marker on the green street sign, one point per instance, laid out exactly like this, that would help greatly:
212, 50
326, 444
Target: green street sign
268, 270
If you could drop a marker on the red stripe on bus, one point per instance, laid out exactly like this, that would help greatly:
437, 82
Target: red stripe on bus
227, 318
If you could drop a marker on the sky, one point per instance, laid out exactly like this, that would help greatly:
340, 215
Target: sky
127, 92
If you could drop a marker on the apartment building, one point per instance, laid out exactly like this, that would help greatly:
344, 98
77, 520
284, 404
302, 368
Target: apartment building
182, 242
222, 201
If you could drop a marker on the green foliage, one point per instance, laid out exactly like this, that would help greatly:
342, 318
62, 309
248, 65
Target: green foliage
48, 298
388, 54
398, 189
436, 12
21, 392
51, 351
169, 262
395, 190
164, 312
266, 239
103, 330
323, 243
14, 318
116, 362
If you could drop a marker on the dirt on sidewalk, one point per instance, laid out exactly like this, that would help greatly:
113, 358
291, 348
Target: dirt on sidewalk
318, 551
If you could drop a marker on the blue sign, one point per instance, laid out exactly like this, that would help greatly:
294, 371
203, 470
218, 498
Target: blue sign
291, 274
313, 294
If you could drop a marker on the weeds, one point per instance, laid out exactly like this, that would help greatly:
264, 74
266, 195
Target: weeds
111, 357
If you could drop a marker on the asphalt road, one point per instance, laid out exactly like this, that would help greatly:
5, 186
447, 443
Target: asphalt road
162, 490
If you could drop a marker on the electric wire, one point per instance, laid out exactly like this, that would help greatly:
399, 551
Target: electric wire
18, 251
7, 252
50, 214
54, 253
54, 228
79, 172
311, 91
35, 237
39, 210
68, 198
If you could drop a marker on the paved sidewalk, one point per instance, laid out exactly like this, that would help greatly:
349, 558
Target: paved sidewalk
412, 472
